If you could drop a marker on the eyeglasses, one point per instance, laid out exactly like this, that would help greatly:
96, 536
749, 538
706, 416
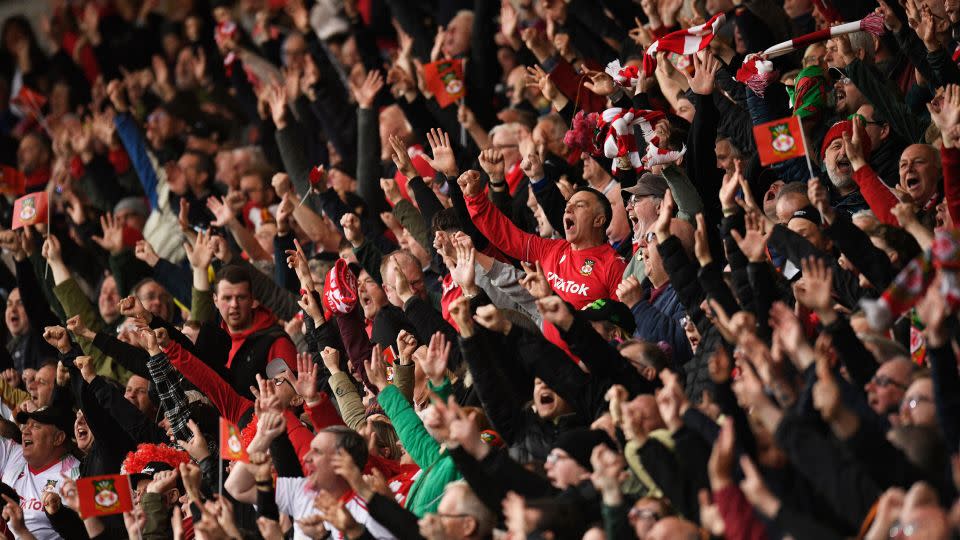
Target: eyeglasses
643, 513
902, 530
554, 457
883, 381
863, 119
914, 402
648, 237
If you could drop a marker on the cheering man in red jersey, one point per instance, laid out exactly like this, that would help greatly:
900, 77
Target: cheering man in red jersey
580, 269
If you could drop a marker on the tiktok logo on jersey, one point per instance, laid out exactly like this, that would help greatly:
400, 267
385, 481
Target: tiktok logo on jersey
568, 286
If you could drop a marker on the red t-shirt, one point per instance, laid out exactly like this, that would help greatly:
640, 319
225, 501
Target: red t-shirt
578, 276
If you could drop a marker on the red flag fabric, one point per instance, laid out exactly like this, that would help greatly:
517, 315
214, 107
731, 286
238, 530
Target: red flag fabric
30, 210
12, 181
779, 140
104, 495
29, 98
686, 41
444, 79
231, 447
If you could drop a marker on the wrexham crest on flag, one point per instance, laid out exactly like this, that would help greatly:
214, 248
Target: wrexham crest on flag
782, 141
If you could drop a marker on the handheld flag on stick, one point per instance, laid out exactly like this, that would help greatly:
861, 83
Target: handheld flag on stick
318, 179
30, 210
104, 495
781, 140
444, 79
231, 447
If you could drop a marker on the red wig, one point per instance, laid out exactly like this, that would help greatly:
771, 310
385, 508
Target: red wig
147, 453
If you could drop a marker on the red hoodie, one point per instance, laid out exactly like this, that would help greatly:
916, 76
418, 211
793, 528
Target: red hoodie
283, 347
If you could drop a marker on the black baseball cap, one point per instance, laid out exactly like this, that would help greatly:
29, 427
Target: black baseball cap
59, 417
605, 309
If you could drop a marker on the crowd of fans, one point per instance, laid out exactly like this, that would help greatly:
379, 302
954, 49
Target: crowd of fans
511, 317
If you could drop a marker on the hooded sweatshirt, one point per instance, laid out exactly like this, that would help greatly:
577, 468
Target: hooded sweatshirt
243, 370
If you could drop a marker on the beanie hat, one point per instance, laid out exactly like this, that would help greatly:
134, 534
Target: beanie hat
810, 93
808, 213
912, 282
132, 204
340, 289
579, 443
836, 131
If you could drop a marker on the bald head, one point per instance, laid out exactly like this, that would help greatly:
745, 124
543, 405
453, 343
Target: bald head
674, 528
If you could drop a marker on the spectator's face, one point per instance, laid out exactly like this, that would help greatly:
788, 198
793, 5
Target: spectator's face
317, 461
41, 388
40, 442
919, 172
82, 433
392, 122
226, 170
253, 187
725, 156
235, 303
838, 165
644, 515
371, 296
136, 393
645, 211
506, 141
692, 332
952, 7
848, 97
414, 276
876, 131
190, 167
770, 199
547, 403
651, 258
456, 525
582, 217
131, 219
109, 300
155, 299
16, 316
886, 389
917, 407
31, 154
686, 110
294, 51
456, 38
160, 127
808, 230
547, 139
562, 470
816, 55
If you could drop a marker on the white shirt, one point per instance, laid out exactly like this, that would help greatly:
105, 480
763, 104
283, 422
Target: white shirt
31, 485
295, 497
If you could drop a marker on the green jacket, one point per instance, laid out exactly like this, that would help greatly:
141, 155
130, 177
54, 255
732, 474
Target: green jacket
437, 465
74, 302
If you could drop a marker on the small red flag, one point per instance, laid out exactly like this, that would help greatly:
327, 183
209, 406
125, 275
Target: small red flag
29, 98
30, 210
104, 495
12, 181
444, 79
231, 447
779, 140
318, 177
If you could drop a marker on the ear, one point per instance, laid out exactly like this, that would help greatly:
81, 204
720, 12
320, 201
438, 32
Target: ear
885, 131
172, 497
255, 304
861, 53
469, 527
60, 438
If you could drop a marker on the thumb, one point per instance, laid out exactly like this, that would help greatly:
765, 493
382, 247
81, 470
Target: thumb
736, 236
